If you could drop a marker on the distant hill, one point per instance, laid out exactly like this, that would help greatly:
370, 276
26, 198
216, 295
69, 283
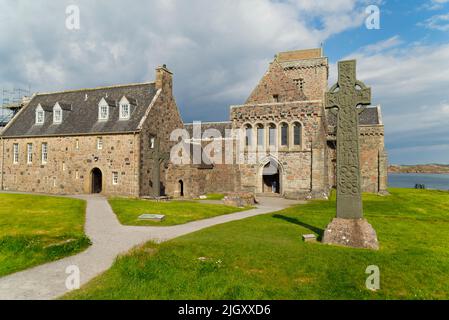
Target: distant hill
419, 168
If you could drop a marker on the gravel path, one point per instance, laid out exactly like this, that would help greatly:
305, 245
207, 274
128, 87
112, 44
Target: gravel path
109, 239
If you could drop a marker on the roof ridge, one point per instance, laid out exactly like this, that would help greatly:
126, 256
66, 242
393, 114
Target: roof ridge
96, 88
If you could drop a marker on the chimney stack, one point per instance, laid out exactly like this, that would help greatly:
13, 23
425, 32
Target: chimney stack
164, 79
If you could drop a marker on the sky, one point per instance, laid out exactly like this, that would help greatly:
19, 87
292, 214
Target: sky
218, 51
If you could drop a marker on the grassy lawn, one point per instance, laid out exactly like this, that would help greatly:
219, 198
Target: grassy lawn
215, 196
264, 257
176, 212
39, 229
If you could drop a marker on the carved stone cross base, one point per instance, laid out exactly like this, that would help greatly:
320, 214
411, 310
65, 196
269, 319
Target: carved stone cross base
355, 233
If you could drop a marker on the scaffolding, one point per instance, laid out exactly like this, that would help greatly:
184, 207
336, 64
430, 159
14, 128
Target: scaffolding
12, 101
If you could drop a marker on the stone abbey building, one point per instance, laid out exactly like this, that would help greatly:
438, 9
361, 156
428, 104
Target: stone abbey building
118, 140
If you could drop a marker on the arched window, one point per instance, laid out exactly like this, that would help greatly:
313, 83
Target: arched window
260, 135
248, 135
272, 135
297, 134
284, 134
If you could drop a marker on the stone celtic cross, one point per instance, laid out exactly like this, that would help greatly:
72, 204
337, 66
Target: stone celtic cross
157, 158
346, 96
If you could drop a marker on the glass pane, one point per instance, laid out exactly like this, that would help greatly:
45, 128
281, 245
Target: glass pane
260, 136
284, 135
297, 135
272, 136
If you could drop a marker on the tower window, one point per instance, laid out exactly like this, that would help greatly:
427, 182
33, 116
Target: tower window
275, 98
297, 132
284, 135
299, 83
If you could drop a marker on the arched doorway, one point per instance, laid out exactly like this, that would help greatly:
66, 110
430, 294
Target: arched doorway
97, 180
181, 188
271, 181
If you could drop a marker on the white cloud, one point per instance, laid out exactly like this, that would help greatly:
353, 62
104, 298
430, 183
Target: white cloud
437, 22
411, 83
217, 49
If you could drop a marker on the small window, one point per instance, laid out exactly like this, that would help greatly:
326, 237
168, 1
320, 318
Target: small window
103, 111
299, 83
152, 142
124, 111
29, 153
77, 175
77, 144
272, 135
15, 152
40, 115
57, 114
63, 166
115, 178
297, 132
44, 156
260, 136
99, 143
275, 98
248, 136
284, 135
54, 182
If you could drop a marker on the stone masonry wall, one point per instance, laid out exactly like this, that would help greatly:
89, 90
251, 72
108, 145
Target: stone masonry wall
163, 118
303, 168
68, 169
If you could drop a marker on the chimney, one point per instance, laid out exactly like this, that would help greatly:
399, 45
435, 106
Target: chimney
164, 79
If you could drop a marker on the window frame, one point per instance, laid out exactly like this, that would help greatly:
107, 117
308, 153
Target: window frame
248, 138
57, 109
15, 153
40, 112
284, 126
115, 178
297, 126
103, 104
122, 108
44, 155
99, 143
29, 153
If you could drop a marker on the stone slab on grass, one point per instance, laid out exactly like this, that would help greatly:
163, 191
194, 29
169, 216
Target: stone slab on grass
152, 217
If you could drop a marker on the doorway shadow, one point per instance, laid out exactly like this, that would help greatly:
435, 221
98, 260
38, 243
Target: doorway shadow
318, 231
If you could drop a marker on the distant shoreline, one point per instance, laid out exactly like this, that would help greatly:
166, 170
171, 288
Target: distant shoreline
420, 169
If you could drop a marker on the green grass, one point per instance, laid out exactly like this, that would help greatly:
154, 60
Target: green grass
264, 257
176, 212
215, 196
39, 229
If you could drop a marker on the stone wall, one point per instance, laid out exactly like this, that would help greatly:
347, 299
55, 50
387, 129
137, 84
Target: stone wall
373, 160
162, 119
302, 168
68, 168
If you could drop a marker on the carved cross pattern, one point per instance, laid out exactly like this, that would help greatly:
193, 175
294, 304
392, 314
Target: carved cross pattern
158, 158
343, 100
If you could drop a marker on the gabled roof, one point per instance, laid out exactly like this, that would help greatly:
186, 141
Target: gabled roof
83, 118
369, 116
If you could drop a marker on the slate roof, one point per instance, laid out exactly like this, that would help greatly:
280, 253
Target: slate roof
370, 116
220, 126
83, 117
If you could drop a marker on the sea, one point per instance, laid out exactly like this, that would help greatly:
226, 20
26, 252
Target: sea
410, 180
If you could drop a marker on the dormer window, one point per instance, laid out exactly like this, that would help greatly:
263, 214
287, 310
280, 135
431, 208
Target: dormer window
124, 111
40, 115
57, 114
125, 107
103, 110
